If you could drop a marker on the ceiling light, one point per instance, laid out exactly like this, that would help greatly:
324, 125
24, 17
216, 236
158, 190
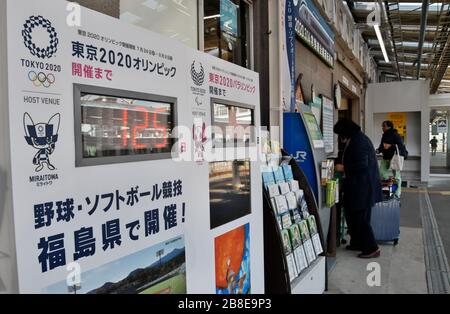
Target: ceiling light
183, 12
381, 41
130, 17
211, 17
152, 4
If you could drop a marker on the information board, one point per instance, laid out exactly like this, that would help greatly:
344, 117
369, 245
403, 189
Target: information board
139, 221
328, 124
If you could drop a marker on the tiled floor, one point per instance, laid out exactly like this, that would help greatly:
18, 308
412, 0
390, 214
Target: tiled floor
402, 268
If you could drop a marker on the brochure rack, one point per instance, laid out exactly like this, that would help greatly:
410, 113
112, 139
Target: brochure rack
277, 280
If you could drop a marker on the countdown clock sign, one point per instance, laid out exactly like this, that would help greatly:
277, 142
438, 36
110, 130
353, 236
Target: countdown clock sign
115, 126
107, 182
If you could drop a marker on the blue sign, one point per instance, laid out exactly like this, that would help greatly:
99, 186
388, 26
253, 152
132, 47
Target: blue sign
290, 47
314, 30
229, 17
298, 145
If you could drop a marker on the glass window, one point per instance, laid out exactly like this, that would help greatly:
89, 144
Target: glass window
226, 25
177, 19
112, 127
221, 114
235, 124
229, 191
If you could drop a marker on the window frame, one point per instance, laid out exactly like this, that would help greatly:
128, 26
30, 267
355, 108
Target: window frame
228, 103
81, 161
249, 32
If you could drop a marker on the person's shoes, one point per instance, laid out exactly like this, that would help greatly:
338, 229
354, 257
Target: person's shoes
352, 248
375, 254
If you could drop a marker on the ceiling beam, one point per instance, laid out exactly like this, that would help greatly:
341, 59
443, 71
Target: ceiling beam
412, 36
423, 26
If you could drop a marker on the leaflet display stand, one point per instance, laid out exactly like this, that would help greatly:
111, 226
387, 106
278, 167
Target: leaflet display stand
313, 279
298, 143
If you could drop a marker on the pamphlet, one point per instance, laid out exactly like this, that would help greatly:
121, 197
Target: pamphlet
296, 239
327, 172
273, 159
273, 190
267, 175
307, 243
291, 200
294, 185
274, 205
315, 235
292, 267
281, 204
286, 221
301, 258
278, 173
286, 241
297, 246
296, 215
302, 204
287, 171
279, 222
284, 188
330, 193
336, 192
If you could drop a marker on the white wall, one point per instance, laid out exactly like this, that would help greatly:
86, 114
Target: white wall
168, 19
276, 114
407, 96
440, 100
8, 274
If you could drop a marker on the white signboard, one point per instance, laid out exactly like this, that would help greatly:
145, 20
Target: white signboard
328, 124
97, 196
442, 126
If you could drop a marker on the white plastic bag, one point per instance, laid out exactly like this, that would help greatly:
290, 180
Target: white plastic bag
397, 161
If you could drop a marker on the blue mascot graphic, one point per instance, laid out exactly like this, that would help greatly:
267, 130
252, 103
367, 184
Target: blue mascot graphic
43, 137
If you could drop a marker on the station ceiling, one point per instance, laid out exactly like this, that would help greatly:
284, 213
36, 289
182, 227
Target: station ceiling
416, 34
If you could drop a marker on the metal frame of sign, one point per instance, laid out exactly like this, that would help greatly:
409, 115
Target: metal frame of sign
217, 101
80, 161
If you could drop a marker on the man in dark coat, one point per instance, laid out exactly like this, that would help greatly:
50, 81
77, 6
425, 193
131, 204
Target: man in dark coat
391, 136
390, 141
434, 144
362, 186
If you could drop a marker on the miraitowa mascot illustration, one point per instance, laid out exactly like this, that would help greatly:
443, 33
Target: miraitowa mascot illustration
199, 136
43, 137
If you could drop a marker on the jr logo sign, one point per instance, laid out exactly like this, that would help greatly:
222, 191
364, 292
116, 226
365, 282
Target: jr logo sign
301, 156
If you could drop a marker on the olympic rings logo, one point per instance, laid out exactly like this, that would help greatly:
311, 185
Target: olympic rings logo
41, 79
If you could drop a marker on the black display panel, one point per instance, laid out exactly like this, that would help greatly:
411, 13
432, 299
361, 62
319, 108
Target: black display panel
229, 191
234, 124
117, 126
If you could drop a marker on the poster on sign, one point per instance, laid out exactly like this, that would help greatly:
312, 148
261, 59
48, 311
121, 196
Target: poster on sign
399, 119
110, 137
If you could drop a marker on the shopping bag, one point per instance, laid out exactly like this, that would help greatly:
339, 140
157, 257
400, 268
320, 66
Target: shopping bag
397, 161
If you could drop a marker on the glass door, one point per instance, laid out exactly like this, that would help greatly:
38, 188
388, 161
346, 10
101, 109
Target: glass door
439, 142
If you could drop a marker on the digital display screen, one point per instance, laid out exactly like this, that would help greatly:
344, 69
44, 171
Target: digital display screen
117, 126
229, 186
235, 124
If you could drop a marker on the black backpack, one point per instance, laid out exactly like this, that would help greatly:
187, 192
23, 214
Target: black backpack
403, 151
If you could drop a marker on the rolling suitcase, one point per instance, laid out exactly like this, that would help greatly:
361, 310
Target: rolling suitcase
385, 220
